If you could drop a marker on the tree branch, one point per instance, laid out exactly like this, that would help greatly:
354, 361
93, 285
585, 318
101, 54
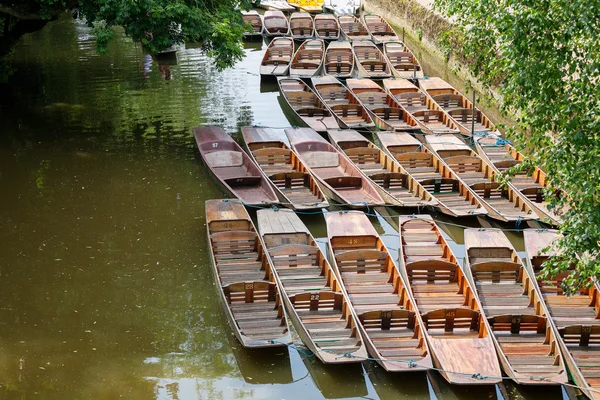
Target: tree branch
33, 16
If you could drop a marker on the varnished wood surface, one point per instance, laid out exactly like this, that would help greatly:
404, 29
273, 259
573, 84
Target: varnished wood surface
278, 57
379, 29
302, 26
402, 60
352, 29
370, 61
327, 27
276, 23
308, 59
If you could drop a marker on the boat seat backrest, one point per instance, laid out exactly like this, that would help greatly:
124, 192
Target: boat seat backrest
518, 323
344, 182
250, 292
485, 254
348, 110
460, 164
411, 159
339, 57
354, 28
390, 180
361, 261
272, 156
490, 190
450, 319
388, 319
290, 180
301, 99
465, 115
342, 244
321, 159
535, 194
229, 225
581, 335
247, 180
294, 255
311, 111
378, 27
411, 99
496, 271
449, 100
427, 116
363, 155
372, 98
233, 242
441, 185
219, 159
431, 271
315, 301
389, 113
400, 57
339, 67
275, 240
332, 94
367, 54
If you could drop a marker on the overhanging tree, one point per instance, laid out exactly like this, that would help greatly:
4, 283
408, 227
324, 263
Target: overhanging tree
543, 57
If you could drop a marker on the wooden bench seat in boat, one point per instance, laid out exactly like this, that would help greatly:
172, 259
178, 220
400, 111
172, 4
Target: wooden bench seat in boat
335, 67
452, 320
374, 66
464, 116
412, 101
274, 160
236, 256
449, 101
349, 113
334, 96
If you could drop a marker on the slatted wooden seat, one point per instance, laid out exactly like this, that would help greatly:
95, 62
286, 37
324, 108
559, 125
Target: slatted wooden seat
272, 159
581, 336
349, 113
334, 95
464, 116
366, 158
451, 320
344, 182
236, 256
373, 99
296, 187
412, 101
342, 67
449, 101
403, 61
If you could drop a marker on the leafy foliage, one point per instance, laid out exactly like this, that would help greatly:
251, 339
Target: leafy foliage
543, 56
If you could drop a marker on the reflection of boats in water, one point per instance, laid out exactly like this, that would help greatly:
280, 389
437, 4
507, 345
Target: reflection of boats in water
442, 390
264, 366
409, 385
337, 381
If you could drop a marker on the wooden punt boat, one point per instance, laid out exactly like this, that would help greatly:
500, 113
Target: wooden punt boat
326, 27
232, 168
295, 186
276, 5
377, 292
311, 292
339, 178
252, 304
342, 103
575, 317
370, 62
339, 60
453, 197
352, 28
503, 203
277, 58
403, 62
309, 6
307, 105
458, 107
500, 156
525, 340
394, 185
457, 335
430, 117
308, 60
254, 19
379, 29
302, 26
386, 112
275, 24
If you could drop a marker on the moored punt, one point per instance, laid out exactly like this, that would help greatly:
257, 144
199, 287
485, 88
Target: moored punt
403, 62
576, 317
326, 27
500, 155
339, 178
377, 292
395, 186
275, 24
311, 291
277, 5
252, 304
379, 29
503, 203
339, 60
277, 58
254, 19
458, 107
342, 103
370, 62
309, 6
457, 335
386, 112
307, 105
295, 186
453, 197
302, 26
308, 60
233, 169
525, 340
352, 28
422, 108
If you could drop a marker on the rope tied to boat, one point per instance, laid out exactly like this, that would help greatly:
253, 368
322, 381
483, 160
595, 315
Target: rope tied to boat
274, 208
502, 141
518, 224
478, 376
412, 364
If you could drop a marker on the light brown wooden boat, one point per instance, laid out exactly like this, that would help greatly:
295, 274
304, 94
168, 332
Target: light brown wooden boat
458, 107
430, 117
503, 203
278, 57
254, 19
307, 105
501, 155
379, 29
459, 341
575, 317
308, 59
302, 26
252, 304
326, 27
311, 292
370, 61
395, 185
340, 180
377, 292
525, 340
342, 103
352, 28
386, 112
339, 60
232, 168
275, 23
453, 197
402, 60
295, 186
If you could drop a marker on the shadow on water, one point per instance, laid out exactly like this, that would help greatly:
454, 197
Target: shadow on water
337, 381
263, 366
409, 385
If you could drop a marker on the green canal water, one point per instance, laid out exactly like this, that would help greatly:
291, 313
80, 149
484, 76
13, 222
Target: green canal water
105, 284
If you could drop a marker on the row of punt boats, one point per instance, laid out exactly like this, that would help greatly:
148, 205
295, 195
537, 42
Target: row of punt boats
353, 302
442, 172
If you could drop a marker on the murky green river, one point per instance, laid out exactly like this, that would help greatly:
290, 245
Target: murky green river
105, 284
